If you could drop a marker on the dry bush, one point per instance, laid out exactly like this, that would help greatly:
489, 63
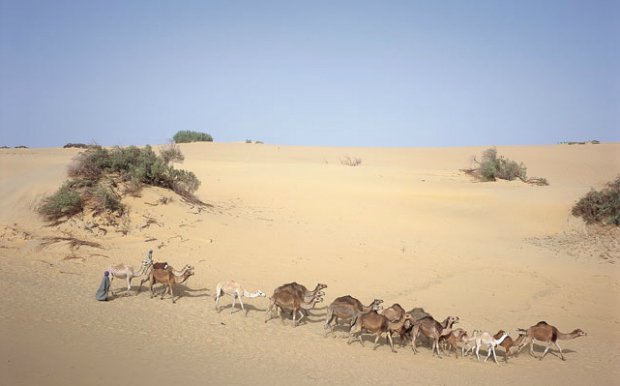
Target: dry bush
348, 161
600, 206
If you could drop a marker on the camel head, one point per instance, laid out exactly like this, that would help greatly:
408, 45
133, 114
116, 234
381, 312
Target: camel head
579, 332
260, 293
377, 306
188, 267
320, 286
452, 319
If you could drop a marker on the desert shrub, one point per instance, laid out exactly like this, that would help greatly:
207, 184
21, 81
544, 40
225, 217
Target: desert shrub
77, 145
132, 165
21, 147
600, 206
171, 153
104, 199
348, 161
185, 136
90, 164
492, 167
65, 202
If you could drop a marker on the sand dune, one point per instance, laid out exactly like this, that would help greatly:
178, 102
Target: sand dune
406, 226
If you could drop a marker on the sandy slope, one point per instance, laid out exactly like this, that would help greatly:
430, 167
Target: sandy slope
406, 226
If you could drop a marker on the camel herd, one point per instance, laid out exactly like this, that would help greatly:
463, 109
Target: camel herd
373, 319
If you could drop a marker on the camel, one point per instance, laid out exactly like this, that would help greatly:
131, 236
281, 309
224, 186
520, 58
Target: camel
123, 271
301, 290
547, 333
235, 290
432, 329
348, 308
170, 268
491, 342
459, 336
419, 313
167, 278
284, 299
394, 313
508, 343
377, 323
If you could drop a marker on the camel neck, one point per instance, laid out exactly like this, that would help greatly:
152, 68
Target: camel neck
249, 294
564, 336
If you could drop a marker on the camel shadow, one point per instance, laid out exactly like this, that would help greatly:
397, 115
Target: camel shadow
308, 317
237, 309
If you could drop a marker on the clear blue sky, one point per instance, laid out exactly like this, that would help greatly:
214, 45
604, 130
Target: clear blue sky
326, 73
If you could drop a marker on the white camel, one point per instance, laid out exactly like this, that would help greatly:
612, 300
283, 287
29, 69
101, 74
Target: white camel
231, 288
490, 342
124, 271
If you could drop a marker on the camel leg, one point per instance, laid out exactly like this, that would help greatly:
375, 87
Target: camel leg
294, 317
391, 341
171, 293
549, 343
494, 357
436, 345
488, 353
478, 350
414, 335
268, 312
217, 300
233, 305
302, 316
377, 340
532, 353
328, 320
242, 308
128, 283
559, 348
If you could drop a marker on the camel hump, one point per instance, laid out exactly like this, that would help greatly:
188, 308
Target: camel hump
542, 323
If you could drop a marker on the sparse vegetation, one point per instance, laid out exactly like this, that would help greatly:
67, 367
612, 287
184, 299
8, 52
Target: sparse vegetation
493, 167
78, 145
350, 161
185, 136
593, 142
600, 206
66, 202
98, 175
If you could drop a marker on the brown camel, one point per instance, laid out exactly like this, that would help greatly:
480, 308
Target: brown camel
394, 313
376, 323
301, 290
547, 333
458, 336
286, 300
432, 329
348, 308
168, 278
508, 343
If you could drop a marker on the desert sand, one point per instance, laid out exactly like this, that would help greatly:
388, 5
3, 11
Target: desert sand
406, 226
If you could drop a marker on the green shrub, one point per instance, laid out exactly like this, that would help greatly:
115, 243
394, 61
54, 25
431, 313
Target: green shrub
65, 202
493, 167
134, 165
105, 199
600, 206
185, 136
